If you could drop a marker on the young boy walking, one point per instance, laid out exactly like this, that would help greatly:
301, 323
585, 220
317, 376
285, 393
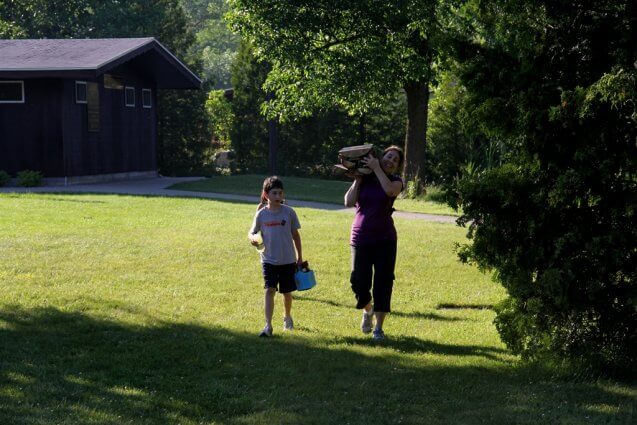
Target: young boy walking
279, 227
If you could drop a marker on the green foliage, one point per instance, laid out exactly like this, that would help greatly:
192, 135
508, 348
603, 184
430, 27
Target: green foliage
8, 28
4, 178
558, 223
412, 191
249, 136
349, 55
46, 19
458, 140
307, 146
184, 139
221, 116
355, 53
215, 43
29, 178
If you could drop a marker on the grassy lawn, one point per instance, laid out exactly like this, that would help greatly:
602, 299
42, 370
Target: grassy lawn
141, 310
303, 189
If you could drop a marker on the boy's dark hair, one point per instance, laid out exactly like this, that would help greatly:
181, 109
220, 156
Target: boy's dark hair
272, 182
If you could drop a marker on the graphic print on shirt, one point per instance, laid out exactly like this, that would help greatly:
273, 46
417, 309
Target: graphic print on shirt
274, 223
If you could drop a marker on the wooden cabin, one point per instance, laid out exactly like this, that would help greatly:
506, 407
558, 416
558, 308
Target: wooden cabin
84, 110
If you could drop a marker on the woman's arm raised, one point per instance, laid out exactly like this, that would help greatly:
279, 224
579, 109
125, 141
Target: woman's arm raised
392, 189
351, 196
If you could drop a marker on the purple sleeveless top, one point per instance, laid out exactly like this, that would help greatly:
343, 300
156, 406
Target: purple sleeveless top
373, 222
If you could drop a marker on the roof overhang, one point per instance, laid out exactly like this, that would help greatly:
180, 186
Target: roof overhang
148, 57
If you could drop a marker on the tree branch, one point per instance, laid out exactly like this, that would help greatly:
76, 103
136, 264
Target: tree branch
337, 42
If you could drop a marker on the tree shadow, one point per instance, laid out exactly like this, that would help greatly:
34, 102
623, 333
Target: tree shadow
68, 367
415, 345
411, 315
226, 198
48, 196
464, 306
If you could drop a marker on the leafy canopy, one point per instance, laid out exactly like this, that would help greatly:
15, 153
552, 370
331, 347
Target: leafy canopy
354, 54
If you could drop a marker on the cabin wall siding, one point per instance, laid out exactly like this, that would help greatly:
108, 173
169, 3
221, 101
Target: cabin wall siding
31, 132
49, 132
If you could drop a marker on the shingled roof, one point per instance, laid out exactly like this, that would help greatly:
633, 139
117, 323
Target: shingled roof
93, 57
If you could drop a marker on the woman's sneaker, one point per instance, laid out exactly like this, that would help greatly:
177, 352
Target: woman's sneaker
288, 324
367, 322
266, 332
378, 335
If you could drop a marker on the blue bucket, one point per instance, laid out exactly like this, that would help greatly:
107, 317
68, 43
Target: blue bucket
304, 280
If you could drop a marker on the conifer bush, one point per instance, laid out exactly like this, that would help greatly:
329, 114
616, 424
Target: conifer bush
557, 222
4, 178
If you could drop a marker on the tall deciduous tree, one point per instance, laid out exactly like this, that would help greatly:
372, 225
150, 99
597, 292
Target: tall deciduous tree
354, 54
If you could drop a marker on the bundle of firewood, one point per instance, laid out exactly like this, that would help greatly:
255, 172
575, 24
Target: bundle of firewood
349, 160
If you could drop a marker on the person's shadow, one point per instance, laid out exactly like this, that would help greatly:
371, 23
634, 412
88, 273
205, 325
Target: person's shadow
69, 367
411, 314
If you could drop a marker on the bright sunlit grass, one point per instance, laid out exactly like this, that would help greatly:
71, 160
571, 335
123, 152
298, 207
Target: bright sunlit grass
139, 310
304, 189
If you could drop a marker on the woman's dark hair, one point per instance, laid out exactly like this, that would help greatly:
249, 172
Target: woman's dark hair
401, 154
272, 182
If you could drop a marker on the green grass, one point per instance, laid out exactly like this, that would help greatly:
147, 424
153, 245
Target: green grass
304, 189
142, 310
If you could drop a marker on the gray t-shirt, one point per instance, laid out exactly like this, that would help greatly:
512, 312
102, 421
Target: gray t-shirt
276, 229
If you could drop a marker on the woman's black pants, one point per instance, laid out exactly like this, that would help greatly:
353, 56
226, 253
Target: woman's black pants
373, 264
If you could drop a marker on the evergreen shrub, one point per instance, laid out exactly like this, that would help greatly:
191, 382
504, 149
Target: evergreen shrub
4, 178
29, 178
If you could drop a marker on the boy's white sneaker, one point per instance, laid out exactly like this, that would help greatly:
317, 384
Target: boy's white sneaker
288, 323
266, 332
367, 322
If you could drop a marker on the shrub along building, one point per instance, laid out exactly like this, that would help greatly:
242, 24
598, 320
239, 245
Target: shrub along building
84, 109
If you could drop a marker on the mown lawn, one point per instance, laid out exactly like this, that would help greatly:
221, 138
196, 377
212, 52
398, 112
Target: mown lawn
305, 189
141, 310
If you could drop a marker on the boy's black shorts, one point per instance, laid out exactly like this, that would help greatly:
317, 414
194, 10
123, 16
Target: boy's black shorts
283, 275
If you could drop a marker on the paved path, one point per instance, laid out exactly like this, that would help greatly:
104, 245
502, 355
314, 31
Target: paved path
157, 187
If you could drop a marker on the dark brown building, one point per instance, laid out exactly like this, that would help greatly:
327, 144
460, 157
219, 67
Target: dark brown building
81, 109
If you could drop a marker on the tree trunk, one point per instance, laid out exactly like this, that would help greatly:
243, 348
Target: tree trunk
415, 138
273, 142
362, 133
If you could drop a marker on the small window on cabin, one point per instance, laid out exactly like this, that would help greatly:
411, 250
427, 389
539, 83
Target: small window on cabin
80, 92
11, 91
129, 95
147, 98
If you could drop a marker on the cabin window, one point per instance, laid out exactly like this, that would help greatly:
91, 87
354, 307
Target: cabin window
11, 91
147, 101
80, 92
129, 95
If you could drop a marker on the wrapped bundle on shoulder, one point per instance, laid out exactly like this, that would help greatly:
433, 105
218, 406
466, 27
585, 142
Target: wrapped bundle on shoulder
349, 160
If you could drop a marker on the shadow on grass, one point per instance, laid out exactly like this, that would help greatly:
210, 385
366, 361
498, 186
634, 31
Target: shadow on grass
411, 315
201, 196
415, 345
61, 367
462, 306
47, 197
